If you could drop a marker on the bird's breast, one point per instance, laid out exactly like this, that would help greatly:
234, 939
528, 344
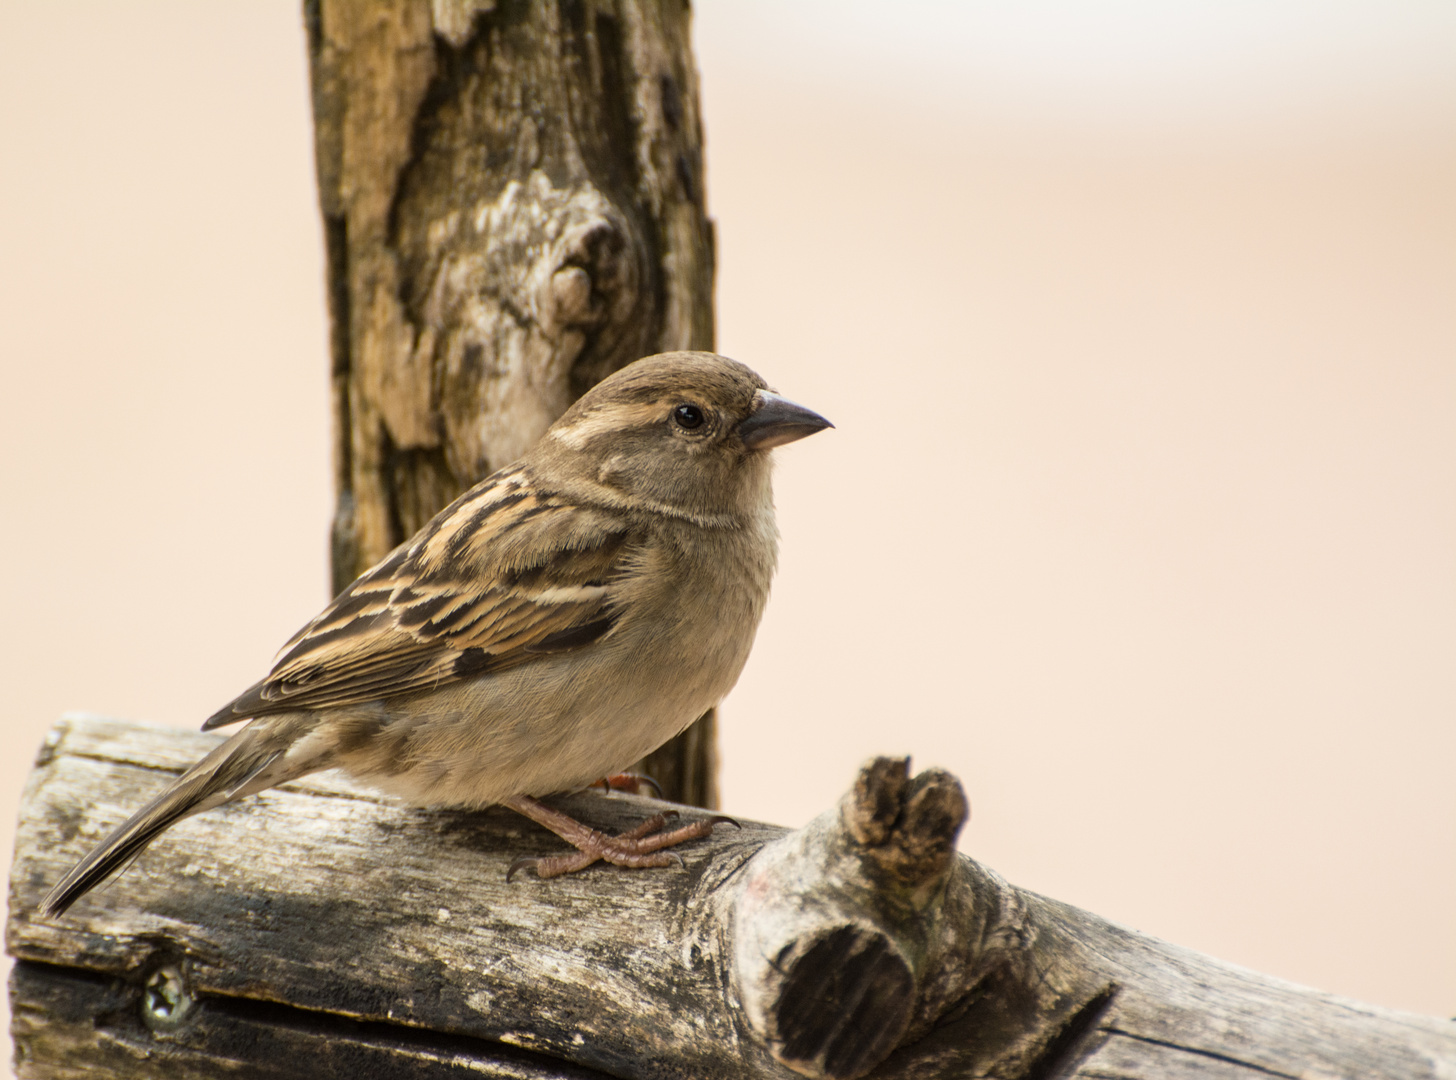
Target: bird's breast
687, 616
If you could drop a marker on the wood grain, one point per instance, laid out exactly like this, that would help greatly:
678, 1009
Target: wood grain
320, 915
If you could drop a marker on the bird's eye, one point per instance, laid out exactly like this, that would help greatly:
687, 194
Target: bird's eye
688, 417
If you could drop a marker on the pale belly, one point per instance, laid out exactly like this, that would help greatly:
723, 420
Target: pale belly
559, 723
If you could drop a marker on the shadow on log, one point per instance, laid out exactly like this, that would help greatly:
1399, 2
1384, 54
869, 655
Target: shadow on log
319, 930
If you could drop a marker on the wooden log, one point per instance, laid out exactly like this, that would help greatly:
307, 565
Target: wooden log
320, 930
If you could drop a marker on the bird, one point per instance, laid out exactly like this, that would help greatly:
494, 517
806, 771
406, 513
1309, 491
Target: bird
553, 625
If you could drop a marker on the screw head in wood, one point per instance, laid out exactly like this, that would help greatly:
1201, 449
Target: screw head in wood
167, 1000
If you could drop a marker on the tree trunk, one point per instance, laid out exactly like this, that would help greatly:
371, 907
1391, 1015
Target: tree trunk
320, 930
512, 195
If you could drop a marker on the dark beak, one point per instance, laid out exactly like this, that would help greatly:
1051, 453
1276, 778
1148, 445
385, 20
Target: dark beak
777, 420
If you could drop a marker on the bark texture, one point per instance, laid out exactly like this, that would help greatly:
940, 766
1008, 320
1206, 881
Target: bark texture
512, 195
319, 930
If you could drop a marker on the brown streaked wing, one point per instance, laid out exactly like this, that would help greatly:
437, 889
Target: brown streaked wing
407, 625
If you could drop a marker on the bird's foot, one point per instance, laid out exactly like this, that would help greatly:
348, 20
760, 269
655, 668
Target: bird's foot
639, 848
630, 782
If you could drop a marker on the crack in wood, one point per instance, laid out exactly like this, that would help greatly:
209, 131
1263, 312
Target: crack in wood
1227, 1059
212, 1013
1073, 1041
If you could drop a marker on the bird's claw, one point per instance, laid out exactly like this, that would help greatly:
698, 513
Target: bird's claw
521, 863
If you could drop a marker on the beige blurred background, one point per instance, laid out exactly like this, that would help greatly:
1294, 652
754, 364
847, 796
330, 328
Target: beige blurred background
1138, 321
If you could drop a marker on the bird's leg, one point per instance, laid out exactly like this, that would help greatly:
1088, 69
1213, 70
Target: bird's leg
556, 865
639, 848
631, 782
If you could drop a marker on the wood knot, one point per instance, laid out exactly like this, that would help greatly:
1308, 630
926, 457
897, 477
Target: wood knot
571, 289
906, 825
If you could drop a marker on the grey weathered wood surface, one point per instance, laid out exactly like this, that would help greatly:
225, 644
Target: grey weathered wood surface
322, 931
513, 206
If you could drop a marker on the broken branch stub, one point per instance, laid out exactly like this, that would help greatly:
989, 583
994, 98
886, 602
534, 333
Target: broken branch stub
835, 925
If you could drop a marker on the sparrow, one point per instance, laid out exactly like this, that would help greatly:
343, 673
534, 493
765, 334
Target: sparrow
556, 623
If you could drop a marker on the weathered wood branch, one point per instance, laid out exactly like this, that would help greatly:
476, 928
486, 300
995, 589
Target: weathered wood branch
319, 930
513, 206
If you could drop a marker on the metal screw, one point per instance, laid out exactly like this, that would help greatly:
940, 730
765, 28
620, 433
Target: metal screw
166, 1000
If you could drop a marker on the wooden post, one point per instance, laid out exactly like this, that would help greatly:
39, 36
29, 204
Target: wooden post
513, 208
319, 930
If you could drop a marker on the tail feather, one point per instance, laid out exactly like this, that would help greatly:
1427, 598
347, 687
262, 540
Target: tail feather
252, 760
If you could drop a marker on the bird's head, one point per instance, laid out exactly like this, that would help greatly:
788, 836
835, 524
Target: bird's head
682, 432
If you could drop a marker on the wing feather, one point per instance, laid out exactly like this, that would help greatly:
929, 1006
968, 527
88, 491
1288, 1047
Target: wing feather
501, 576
